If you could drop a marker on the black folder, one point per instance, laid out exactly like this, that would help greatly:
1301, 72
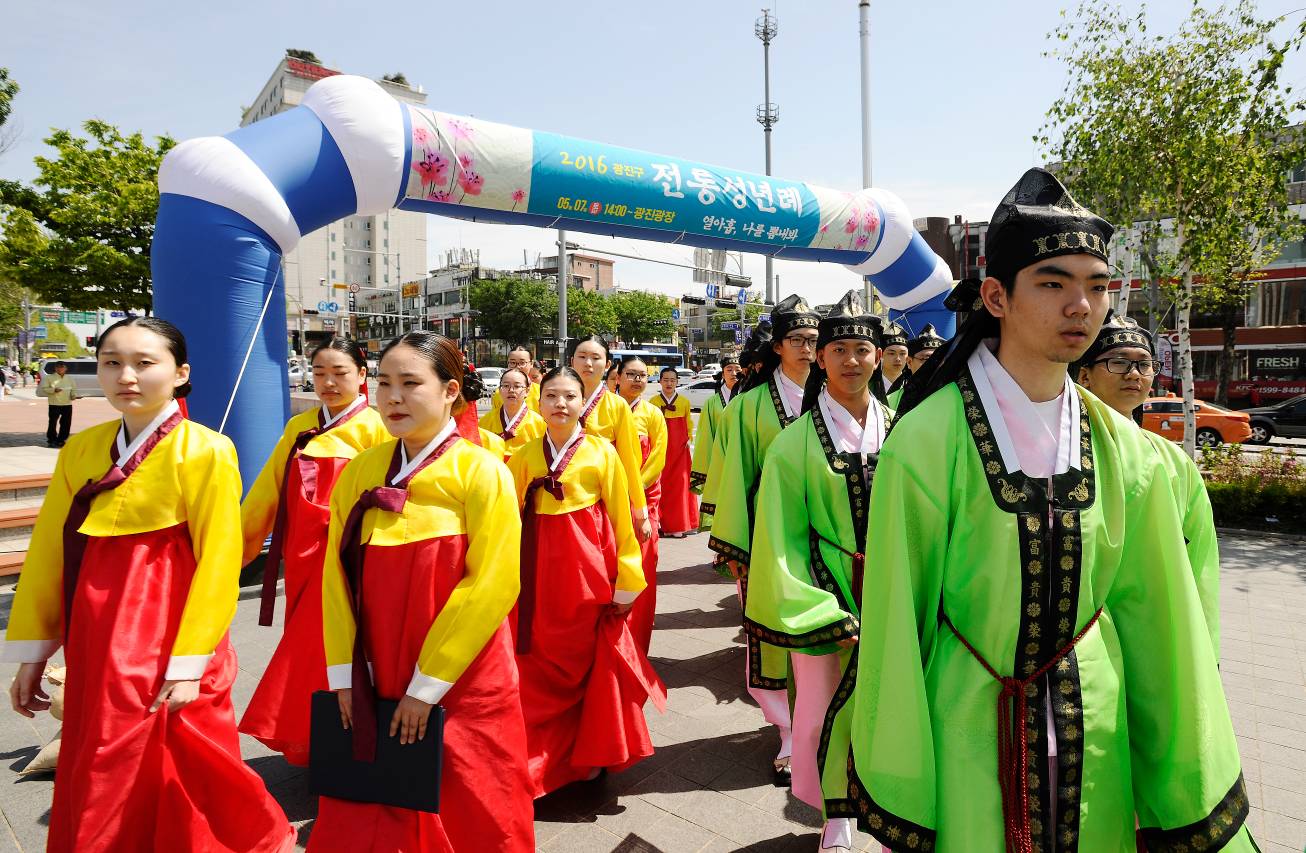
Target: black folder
407, 776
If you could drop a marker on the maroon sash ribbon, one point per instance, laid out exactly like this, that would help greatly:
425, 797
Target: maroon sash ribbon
1013, 748
551, 483
389, 499
308, 477
74, 542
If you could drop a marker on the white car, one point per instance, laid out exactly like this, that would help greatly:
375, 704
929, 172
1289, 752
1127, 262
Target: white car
685, 374
698, 391
489, 379
295, 375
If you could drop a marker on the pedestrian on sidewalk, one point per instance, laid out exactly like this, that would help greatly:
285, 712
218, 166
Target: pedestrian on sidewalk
61, 390
133, 571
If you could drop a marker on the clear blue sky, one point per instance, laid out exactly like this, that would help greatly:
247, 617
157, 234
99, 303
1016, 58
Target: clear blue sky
959, 87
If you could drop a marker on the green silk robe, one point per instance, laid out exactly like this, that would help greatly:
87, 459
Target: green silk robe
746, 429
1194, 507
704, 446
1140, 720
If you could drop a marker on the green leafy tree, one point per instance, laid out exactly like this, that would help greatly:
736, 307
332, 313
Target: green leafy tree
588, 313
81, 237
752, 311
514, 310
641, 316
1184, 134
8, 91
303, 55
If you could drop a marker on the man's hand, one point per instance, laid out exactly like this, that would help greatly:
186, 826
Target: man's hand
25, 694
178, 694
409, 721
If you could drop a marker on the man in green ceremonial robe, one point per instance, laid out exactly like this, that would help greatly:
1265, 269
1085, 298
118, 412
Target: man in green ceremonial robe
809, 542
1118, 368
1034, 669
705, 434
772, 399
891, 373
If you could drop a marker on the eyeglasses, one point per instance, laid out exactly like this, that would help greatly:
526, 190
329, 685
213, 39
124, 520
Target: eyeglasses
512, 388
636, 377
800, 342
1122, 366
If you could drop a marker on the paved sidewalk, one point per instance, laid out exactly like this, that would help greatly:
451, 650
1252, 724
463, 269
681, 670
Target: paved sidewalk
709, 788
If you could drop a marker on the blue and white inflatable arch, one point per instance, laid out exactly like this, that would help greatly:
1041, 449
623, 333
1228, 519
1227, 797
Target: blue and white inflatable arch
230, 206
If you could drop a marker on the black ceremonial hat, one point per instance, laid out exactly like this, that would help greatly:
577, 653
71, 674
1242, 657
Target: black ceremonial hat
1117, 332
791, 313
927, 339
892, 334
848, 319
1039, 219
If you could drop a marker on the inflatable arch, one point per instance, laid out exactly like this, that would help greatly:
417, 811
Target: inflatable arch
231, 205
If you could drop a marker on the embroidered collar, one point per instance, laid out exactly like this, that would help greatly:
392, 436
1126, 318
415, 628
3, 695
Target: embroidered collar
327, 420
851, 436
1002, 397
511, 426
407, 466
667, 404
560, 452
125, 450
593, 401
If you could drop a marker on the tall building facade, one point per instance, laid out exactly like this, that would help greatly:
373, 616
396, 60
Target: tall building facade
376, 254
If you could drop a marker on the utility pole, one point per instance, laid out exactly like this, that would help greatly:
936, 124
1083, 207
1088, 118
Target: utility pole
768, 115
864, 16
564, 272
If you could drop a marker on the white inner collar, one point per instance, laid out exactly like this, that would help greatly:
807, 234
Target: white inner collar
406, 466
127, 451
329, 419
559, 452
726, 393
851, 436
1039, 439
663, 395
791, 393
598, 392
513, 420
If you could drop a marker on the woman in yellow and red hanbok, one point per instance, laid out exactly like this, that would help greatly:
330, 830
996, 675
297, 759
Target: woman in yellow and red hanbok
291, 499
517, 421
420, 575
134, 569
583, 678
678, 510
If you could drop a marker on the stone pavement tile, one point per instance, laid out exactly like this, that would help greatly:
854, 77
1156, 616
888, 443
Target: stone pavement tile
1280, 702
751, 785
702, 767
582, 838
1283, 802
628, 815
1276, 735
674, 834
1283, 688
1281, 776
1285, 719
1283, 829
1284, 756
788, 843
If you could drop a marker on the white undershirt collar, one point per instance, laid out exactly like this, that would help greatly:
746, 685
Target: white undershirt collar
791, 393
1039, 439
407, 467
851, 436
558, 453
328, 419
127, 451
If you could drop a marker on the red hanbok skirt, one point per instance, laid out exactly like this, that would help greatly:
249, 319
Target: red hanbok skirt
129, 780
679, 506
642, 614
485, 799
278, 713
583, 682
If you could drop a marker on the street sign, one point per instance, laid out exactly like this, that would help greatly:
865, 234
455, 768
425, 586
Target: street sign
340, 285
675, 313
741, 296
354, 288
52, 316
725, 303
713, 291
328, 307
739, 337
763, 317
38, 332
54, 346
329, 323
730, 325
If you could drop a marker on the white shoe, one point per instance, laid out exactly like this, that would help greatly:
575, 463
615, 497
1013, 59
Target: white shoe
837, 836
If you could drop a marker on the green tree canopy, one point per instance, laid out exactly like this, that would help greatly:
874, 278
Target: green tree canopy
752, 311
641, 316
8, 91
81, 237
1185, 135
588, 313
515, 310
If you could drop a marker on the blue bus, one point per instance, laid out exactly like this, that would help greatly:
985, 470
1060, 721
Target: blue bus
665, 355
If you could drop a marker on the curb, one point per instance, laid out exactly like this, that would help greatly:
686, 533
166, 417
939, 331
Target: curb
1238, 531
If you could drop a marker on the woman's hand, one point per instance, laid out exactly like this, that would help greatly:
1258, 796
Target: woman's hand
643, 529
345, 696
25, 694
409, 721
847, 642
178, 694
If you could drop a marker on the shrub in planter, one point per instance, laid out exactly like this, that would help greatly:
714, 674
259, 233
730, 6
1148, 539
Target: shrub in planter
1264, 491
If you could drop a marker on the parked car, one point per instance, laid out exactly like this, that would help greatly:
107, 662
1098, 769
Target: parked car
685, 374
489, 379
1287, 419
295, 375
1215, 424
80, 370
698, 391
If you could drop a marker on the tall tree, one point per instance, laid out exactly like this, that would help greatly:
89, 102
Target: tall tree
641, 316
588, 313
8, 91
514, 310
82, 236
1186, 134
